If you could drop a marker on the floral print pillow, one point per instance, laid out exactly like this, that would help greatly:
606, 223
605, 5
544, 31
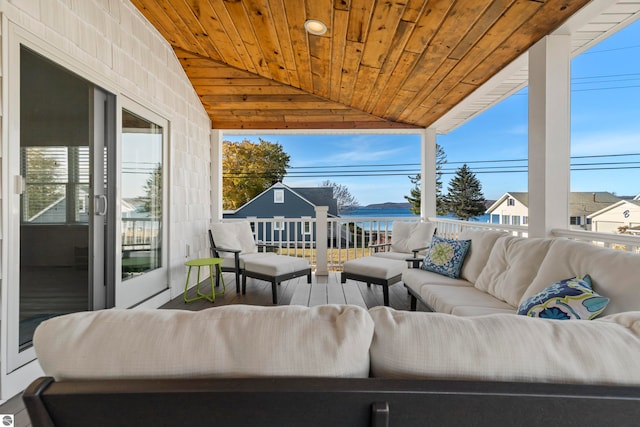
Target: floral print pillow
567, 299
446, 256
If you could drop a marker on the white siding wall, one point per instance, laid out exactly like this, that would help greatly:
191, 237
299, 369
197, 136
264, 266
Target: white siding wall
608, 222
113, 46
518, 210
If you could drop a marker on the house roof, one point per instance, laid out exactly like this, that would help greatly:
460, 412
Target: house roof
314, 196
614, 206
580, 203
381, 65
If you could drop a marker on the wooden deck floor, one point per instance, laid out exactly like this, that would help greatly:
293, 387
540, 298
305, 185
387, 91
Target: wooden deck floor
322, 290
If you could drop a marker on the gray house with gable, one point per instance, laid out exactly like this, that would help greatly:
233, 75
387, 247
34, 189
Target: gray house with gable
288, 206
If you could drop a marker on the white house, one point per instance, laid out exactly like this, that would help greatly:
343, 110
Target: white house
512, 208
624, 213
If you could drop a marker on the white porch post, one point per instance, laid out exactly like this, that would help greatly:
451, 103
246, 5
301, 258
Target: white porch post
428, 173
216, 175
549, 134
321, 241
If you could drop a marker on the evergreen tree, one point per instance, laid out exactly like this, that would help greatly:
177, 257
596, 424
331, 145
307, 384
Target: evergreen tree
465, 199
415, 193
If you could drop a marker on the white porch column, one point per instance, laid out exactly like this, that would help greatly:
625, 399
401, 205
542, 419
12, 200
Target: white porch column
428, 173
216, 175
549, 134
322, 268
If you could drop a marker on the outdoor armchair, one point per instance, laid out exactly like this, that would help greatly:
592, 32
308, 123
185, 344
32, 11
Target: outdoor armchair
235, 244
408, 239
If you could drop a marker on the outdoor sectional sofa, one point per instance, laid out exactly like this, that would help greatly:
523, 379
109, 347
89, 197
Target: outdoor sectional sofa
500, 272
334, 365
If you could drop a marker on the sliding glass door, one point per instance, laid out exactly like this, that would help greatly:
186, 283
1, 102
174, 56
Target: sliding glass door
67, 128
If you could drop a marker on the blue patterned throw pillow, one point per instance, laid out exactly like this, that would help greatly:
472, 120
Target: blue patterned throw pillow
567, 299
446, 256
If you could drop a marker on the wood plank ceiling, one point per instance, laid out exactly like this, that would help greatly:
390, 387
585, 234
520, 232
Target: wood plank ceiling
382, 64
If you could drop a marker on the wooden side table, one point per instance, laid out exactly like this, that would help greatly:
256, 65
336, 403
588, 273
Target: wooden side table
204, 262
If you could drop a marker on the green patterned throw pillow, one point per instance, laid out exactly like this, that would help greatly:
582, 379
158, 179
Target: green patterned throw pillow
446, 256
567, 299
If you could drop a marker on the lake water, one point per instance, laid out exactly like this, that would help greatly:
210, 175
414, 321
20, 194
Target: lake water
397, 212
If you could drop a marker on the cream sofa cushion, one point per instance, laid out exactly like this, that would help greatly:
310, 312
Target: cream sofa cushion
505, 347
445, 299
512, 266
234, 235
614, 274
482, 242
229, 341
407, 236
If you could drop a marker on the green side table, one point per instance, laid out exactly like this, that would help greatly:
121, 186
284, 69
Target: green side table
204, 262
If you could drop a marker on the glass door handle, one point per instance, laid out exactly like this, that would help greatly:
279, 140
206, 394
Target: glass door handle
100, 208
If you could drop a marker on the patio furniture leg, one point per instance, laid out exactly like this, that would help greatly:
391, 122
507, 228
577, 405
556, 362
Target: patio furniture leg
237, 264
244, 284
274, 290
385, 294
414, 302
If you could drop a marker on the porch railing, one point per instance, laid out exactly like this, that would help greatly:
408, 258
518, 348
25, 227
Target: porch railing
350, 237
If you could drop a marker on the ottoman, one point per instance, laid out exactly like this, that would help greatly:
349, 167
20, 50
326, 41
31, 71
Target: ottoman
275, 269
376, 270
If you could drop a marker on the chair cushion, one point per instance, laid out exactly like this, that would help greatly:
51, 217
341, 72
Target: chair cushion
230, 262
407, 236
234, 235
379, 268
276, 265
229, 341
444, 298
505, 347
445, 256
566, 299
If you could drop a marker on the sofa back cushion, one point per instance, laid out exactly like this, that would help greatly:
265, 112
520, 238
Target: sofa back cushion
229, 341
482, 242
512, 265
234, 235
614, 274
407, 236
505, 347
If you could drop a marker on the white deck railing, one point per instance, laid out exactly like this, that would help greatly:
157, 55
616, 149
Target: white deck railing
350, 237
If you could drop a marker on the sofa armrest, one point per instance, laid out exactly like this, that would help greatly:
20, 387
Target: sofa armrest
414, 262
416, 251
376, 248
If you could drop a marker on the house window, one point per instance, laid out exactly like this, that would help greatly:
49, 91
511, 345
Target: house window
588, 221
279, 225
574, 220
511, 202
525, 220
278, 196
506, 219
515, 220
306, 226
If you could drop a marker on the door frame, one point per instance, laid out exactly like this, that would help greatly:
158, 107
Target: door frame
157, 281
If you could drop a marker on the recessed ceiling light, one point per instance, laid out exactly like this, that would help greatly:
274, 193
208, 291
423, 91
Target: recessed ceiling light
313, 26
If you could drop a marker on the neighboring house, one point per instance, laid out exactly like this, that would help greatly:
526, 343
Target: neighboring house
624, 213
513, 208
281, 202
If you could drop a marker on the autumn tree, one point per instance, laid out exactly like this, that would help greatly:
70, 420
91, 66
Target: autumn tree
342, 194
465, 199
415, 194
249, 168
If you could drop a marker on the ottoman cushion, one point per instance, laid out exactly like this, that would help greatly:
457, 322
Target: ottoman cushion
276, 265
379, 268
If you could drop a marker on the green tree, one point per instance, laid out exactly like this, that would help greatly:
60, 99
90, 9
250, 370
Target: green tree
415, 193
45, 180
153, 190
342, 194
465, 199
250, 168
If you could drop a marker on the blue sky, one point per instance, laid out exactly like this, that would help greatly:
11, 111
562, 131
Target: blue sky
605, 121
